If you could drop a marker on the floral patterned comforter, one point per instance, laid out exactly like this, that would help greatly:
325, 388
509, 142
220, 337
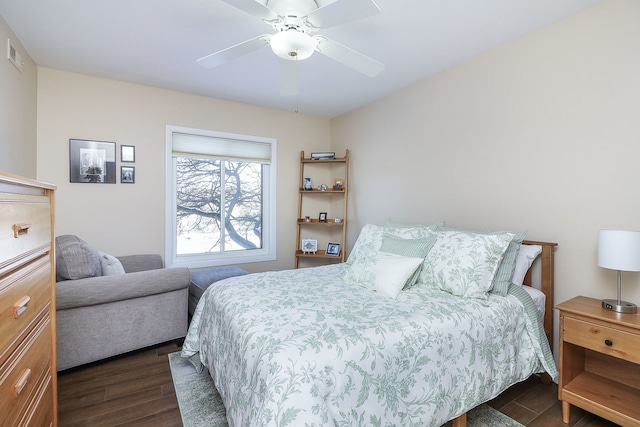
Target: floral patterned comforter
303, 348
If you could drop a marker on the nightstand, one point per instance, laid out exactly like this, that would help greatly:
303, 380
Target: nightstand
599, 361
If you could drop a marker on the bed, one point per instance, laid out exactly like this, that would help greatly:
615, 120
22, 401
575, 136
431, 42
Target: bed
339, 345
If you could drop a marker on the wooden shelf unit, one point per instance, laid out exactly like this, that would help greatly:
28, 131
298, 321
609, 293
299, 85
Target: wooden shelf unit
599, 361
332, 196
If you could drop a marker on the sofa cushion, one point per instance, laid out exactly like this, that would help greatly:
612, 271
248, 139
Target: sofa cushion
110, 264
111, 289
75, 259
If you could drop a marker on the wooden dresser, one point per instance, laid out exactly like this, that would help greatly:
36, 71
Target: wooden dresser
28, 389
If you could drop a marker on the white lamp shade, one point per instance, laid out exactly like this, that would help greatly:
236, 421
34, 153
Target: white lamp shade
292, 45
619, 250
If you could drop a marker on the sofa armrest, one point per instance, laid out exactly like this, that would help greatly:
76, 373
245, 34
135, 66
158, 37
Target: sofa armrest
144, 262
105, 289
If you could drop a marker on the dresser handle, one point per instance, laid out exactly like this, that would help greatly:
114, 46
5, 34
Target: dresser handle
20, 229
20, 306
608, 342
22, 382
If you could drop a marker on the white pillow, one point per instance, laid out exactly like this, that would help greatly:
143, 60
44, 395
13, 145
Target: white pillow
464, 263
110, 264
392, 271
526, 255
539, 300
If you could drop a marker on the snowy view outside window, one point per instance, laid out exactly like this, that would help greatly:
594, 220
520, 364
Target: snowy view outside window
219, 205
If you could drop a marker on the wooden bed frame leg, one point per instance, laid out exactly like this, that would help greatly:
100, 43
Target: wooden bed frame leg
461, 421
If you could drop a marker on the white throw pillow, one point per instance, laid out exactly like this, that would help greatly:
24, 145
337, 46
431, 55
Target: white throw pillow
526, 255
110, 264
392, 272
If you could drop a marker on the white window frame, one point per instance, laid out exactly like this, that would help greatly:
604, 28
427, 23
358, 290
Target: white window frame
268, 250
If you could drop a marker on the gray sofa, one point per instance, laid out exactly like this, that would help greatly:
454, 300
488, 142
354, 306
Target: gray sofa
103, 316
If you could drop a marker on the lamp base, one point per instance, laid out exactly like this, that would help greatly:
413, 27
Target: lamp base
622, 307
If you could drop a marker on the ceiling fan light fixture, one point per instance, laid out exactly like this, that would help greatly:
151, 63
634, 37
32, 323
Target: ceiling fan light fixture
292, 45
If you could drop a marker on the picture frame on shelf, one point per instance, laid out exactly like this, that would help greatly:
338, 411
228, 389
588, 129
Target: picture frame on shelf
338, 184
325, 155
333, 249
127, 175
322, 217
306, 184
92, 161
309, 246
127, 153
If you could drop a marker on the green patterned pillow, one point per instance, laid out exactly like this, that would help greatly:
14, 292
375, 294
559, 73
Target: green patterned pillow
505, 272
464, 263
368, 243
415, 248
503, 276
412, 231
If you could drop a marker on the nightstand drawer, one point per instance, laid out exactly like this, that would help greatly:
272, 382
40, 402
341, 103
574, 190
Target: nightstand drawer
602, 339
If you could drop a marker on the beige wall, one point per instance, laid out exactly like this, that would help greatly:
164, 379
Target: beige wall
125, 219
17, 109
542, 134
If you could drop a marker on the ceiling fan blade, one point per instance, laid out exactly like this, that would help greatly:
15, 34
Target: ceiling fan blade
349, 57
233, 52
289, 77
342, 11
254, 8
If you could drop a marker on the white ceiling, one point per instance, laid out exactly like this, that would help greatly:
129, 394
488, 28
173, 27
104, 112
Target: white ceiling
157, 43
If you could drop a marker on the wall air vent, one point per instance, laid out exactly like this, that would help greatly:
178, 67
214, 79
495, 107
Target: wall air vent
14, 56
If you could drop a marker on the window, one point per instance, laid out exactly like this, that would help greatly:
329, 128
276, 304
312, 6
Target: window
221, 198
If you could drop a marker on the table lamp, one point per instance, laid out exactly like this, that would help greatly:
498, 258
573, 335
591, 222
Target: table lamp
619, 250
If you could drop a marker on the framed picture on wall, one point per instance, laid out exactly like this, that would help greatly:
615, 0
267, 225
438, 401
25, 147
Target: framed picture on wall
127, 153
92, 161
127, 174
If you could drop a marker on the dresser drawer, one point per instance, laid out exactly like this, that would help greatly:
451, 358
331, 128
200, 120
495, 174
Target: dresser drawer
22, 375
40, 411
602, 339
25, 225
23, 296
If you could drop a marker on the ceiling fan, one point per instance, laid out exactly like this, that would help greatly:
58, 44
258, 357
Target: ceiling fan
294, 22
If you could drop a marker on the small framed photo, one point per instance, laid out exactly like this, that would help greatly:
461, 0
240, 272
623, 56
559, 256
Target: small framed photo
333, 249
306, 184
322, 217
127, 153
309, 246
338, 184
127, 174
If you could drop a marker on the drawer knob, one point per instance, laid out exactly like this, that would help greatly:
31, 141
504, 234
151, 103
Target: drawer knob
20, 229
608, 342
21, 383
20, 306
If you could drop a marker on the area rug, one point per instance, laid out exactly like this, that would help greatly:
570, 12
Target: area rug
201, 405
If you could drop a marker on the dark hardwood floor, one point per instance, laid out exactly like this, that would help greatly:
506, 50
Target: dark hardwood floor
136, 389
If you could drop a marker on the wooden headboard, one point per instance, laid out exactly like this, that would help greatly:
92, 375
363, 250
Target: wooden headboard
546, 284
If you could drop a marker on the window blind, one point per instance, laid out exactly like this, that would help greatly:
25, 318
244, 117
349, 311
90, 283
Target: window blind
189, 145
